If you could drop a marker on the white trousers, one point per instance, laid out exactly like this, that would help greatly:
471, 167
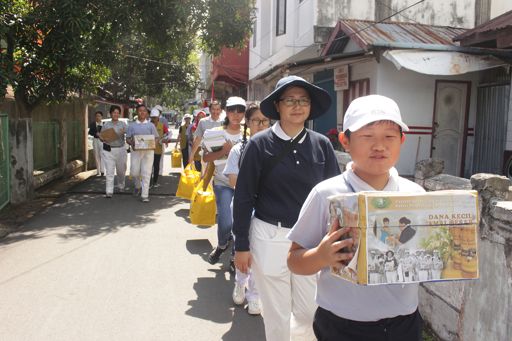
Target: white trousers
98, 151
288, 300
115, 163
141, 166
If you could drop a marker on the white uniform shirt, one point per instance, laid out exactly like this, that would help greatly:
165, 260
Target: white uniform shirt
233, 160
343, 298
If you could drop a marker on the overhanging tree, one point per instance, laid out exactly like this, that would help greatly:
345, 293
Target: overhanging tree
57, 48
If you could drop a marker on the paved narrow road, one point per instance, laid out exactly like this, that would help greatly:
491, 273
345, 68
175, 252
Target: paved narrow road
91, 268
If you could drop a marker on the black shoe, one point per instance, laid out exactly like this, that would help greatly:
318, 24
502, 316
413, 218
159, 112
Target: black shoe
232, 268
214, 256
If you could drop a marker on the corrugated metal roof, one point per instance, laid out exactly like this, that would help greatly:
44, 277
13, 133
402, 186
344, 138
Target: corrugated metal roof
366, 33
498, 23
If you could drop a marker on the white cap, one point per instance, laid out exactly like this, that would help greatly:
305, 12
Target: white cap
232, 101
372, 108
158, 107
187, 116
154, 113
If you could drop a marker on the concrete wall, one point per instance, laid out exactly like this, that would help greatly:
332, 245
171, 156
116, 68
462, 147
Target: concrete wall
23, 179
479, 309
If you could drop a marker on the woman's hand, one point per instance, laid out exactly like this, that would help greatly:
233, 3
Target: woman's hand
226, 148
243, 260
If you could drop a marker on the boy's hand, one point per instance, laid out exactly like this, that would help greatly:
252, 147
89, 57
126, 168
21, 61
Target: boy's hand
330, 248
243, 261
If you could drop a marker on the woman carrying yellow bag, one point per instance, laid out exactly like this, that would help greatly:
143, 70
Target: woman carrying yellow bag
188, 181
235, 110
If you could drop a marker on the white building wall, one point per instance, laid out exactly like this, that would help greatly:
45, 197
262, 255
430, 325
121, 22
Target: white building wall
302, 17
498, 7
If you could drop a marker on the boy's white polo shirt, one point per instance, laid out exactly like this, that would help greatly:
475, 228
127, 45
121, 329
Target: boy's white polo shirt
342, 298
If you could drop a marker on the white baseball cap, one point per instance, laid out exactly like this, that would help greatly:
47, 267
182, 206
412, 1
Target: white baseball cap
187, 116
372, 108
232, 101
154, 113
158, 107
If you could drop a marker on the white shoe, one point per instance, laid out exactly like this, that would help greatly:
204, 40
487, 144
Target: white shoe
239, 294
253, 308
145, 199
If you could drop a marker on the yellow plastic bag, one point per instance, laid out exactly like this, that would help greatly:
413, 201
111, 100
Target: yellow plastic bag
203, 209
176, 158
188, 181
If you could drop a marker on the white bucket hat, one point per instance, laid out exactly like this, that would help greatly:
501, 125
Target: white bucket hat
372, 108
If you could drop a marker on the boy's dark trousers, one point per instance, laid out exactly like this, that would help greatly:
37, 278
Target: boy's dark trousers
329, 327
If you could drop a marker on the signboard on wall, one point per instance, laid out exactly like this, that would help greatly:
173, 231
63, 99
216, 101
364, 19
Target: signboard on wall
341, 78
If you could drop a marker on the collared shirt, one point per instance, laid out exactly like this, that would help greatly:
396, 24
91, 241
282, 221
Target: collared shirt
343, 298
280, 195
278, 130
141, 128
120, 129
206, 123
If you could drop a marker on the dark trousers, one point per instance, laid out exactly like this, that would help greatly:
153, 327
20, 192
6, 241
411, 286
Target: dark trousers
330, 327
156, 168
184, 157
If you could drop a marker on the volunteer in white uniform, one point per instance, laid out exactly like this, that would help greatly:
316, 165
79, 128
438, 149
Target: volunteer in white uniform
114, 152
97, 145
141, 160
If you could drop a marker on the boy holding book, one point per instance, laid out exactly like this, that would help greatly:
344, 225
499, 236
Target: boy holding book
373, 135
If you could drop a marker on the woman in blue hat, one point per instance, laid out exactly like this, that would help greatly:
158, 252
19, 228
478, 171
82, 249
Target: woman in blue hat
280, 166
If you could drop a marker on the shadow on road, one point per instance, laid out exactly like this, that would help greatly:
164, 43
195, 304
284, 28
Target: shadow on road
214, 302
86, 213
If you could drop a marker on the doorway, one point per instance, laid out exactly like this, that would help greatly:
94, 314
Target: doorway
451, 108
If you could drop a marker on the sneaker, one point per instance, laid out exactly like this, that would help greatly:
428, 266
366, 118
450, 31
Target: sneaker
232, 268
145, 199
108, 195
136, 192
156, 185
254, 308
214, 256
238, 294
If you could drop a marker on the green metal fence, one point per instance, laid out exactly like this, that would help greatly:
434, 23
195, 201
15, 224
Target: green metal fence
46, 139
5, 177
75, 133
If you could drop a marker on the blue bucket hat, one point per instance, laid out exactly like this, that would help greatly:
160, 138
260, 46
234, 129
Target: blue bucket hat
320, 99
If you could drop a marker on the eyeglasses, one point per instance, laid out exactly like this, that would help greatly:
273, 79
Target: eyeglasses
291, 102
265, 122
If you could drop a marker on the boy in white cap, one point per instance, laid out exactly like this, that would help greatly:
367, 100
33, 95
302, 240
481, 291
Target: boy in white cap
373, 135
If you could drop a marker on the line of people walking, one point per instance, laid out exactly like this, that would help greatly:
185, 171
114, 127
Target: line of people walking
145, 139
271, 184
277, 181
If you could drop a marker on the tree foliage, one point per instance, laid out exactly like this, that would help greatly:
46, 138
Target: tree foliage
55, 48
